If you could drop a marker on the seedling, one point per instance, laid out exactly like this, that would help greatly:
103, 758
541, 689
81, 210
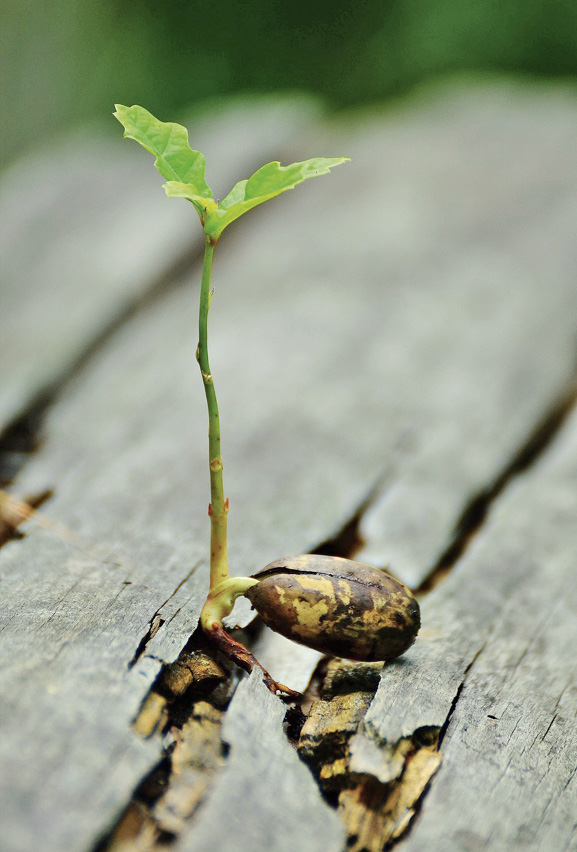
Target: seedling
284, 591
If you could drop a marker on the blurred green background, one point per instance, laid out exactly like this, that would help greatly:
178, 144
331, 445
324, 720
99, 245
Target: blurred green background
67, 62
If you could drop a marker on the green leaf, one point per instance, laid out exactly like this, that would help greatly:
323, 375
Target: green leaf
168, 142
266, 183
204, 206
184, 170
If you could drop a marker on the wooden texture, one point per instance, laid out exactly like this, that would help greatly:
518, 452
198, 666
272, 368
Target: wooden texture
387, 338
496, 669
266, 791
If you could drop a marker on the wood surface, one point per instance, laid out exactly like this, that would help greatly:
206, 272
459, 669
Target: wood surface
394, 353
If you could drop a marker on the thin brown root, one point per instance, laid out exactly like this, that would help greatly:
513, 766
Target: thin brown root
240, 655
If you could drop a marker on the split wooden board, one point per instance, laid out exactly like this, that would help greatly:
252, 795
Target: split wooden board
392, 335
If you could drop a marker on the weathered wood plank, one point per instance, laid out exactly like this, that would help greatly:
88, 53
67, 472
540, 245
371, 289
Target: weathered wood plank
496, 664
266, 791
401, 361
87, 232
463, 205
420, 333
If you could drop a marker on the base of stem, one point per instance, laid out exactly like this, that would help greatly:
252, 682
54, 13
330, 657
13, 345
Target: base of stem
221, 599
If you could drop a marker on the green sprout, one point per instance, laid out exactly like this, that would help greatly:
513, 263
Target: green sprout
340, 607
184, 170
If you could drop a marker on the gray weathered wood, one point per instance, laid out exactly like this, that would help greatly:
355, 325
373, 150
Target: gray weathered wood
496, 662
412, 338
266, 791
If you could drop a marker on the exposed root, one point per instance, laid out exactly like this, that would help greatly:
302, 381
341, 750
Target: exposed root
236, 651
189, 699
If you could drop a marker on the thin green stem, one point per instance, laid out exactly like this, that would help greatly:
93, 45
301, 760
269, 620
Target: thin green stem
218, 508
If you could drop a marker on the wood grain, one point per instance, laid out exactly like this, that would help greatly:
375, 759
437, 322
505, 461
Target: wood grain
495, 670
266, 791
399, 333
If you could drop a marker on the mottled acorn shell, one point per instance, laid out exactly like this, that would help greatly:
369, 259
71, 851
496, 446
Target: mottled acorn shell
337, 606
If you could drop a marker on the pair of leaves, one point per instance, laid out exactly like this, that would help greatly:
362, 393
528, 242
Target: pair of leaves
184, 169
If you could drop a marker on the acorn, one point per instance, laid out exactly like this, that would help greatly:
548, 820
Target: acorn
337, 606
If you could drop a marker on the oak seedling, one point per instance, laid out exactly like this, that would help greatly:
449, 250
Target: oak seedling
382, 618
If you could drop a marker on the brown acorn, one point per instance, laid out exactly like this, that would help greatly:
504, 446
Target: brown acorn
337, 606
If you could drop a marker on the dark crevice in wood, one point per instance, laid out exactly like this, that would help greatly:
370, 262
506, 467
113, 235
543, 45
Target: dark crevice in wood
374, 813
20, 439
347, 541
199, 672
154, 626
314, 687
434, 736
476, 512
183, 710
457, 695
154, 785
173, 705
294, 721
157, 621
363, 800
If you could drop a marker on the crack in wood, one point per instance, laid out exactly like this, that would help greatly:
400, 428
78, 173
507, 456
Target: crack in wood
156, 622
375, 814
154, 626
184, 710
455, 701
378, 814
21, 438
348, 540
475, 513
